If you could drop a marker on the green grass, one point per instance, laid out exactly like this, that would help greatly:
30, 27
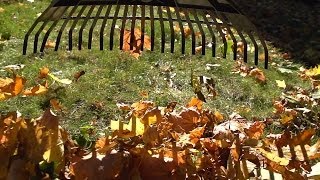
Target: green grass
114, 76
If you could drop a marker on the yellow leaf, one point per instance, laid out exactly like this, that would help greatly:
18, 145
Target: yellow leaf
134, 128
274, 157
1, 10
63, 81
36, 90
286, 118
281, 84
314, 71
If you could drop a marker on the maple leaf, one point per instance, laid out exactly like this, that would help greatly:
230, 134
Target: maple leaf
43, 72
10, 125
136, 42
313, 72
36, 90
195, 102
258, 75
11, 87
97, 166
104, 145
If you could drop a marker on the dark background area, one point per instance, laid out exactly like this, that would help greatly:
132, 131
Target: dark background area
291, 25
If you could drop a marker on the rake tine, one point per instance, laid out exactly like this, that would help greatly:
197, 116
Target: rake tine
36, 37
183, 38
192, 31
46, 36
113, 25
134, 13
63, 27
93, 25
74, 25
211, 33
143, 13
123, 25
245, 44
171, 28
83, 26
103, 25
256, 53
203, 36
26, 37
234, 40
163, 41
221, 34
266, 54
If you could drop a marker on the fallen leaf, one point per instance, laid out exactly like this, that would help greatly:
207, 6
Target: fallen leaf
36, 90
1, 10
56, 104
281, 84
63, 81
258, 75
43, 72
50, 44
77, 75
136, 42
195, 102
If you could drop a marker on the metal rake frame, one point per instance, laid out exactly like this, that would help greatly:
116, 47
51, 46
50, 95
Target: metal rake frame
220, 14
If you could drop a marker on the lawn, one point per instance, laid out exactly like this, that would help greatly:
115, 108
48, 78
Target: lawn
113, 77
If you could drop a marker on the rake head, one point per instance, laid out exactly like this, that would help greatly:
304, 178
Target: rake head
188, 24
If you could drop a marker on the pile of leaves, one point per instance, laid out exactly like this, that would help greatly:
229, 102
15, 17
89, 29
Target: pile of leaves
189, 142
172, 142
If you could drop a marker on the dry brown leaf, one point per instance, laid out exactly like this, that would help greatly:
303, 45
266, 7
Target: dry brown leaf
77, 75
136, 42
258, 75
139, 108
104, 145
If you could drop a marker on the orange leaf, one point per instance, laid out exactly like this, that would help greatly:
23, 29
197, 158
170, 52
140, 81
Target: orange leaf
258, 75
36, 90
50, 44
303, 137
196, 134
195, 102
255, 130
43, 72
55, 104
104, 146
136, 42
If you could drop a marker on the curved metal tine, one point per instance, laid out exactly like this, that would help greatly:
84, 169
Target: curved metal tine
245, 44
26, 37
152, 26
163, 40
143, 14
36, 37
193, 35
84, 25
103, 25
183, 38
123, 25
225, 44
93, 25
211, 33
266, 54
171, 28
256, 53
63, 27
46, 36
203, 36
133, 22
74, 25
234, 40
113, 26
